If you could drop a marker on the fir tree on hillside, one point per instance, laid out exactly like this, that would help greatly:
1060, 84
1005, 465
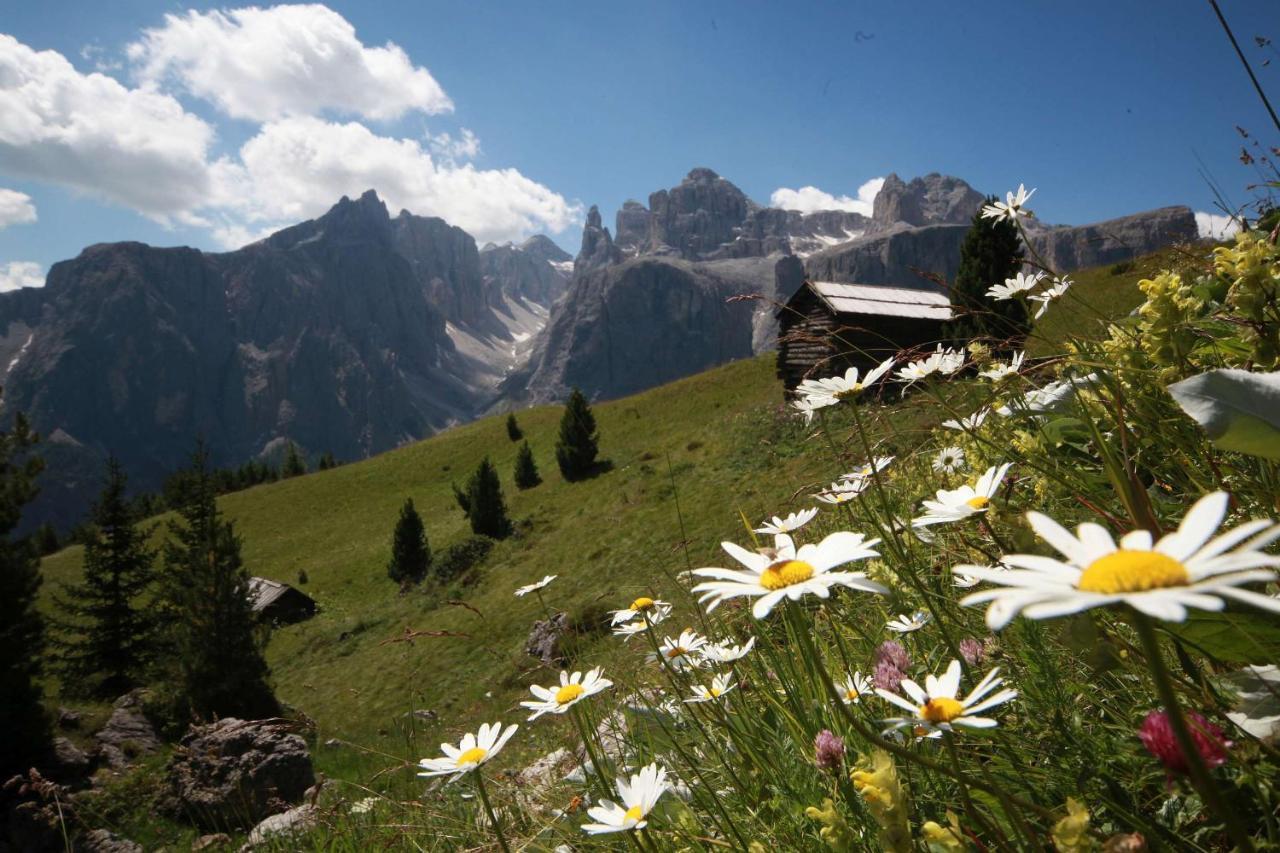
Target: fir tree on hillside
45, 540
294, 464
488, 513
578, 444
327, 461
513, 429
526, 473
410, 554
106, 634
214, 649
462, 498
24, 727
991, 252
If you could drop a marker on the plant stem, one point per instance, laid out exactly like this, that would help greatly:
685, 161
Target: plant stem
493, 818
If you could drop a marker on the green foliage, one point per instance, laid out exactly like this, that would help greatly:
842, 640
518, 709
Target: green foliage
526, 473
488, 509
45, 540
294, 464
327, 461
24, 728
106, 633
991, 252
410, 554
461, 498
213, 662
513, 429
460, 557
303, 579
579, 442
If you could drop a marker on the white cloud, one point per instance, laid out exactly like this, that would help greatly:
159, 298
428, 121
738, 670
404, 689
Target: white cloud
132, 147
264, 64
18, 274
15, 208
811, 199
297, 168
1217, 226
465, 147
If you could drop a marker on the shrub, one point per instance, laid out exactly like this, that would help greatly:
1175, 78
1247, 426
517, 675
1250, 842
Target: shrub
460, 557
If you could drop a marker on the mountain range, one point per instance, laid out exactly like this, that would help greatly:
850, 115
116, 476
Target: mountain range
357, 331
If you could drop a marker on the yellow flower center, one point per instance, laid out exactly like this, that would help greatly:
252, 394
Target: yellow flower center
920, 731
853, 391
941, 710
634, 813
676, 651
785, 573
474, 755
714, 692
850, 695
1132, 571
642, 604
978, 501
568, 693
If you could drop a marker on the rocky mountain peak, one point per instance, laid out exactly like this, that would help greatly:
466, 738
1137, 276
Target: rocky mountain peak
933, 199
597, 246
698, 215
543, 248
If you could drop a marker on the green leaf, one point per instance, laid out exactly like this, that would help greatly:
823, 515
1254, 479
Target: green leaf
1239, 637
1239, 410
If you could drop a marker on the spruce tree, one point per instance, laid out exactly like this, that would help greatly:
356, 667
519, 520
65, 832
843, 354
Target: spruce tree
578, 444
107, 635
294, 465
513, 429
24, 726
327, 461
488, 513
463, 499
526, 473
45, 540
410, 554
215, 646
991, 252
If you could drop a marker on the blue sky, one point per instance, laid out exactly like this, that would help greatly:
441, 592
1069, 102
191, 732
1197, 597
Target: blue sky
1105, 108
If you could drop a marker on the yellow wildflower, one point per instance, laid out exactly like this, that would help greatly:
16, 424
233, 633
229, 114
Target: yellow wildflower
1071, 834
944, 839
835, 830
875, 777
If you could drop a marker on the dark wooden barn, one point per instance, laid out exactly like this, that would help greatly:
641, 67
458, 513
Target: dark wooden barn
827, 327
280, 603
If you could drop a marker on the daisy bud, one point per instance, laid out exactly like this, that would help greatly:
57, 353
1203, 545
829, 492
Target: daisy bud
972, 651
887, 676
895, 653
828, 750
1156, 734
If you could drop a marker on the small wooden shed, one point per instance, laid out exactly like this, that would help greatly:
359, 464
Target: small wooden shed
280, 603
826, 327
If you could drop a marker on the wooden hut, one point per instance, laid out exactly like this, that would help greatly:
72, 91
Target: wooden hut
278, 602
827, 327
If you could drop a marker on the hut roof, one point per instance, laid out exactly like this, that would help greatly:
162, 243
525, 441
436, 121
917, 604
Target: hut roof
883, 300
264, 592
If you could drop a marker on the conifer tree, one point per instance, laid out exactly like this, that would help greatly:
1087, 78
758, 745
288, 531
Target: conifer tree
45, 540
294, 465
526, 473
24, 727
991, 252
463, 499
327, 461
513, 429
107, 636
578, 444
488, 513
410, 554
215, 646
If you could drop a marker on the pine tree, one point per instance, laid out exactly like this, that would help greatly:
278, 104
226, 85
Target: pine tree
464, 501
991, 252
327, 461
513, 429
215, 646
107, 636
23, 722
526, 473
488, 509
45, 540
294, 465
579, 443
410, 554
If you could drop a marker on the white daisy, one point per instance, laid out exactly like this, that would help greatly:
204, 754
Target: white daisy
572, 689
683, 652
1049, 294
643, 607
1016, 286
942, 361
1001, 371
948, 460
722, 653
833, 389
639, 796
854, 688
791, 523
472, 751
959, 504
1013, 207
808, 405
1050, 398
534, 587
363, 806
1187, 568
968, 423
936, 709
627, 630
786, 572
720, 685
875, 466
905, 624
846, 490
